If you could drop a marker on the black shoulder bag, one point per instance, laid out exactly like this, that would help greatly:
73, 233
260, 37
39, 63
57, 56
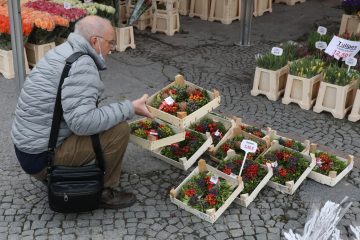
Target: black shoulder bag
73, 189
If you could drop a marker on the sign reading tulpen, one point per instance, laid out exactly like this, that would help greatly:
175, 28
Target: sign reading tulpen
341, 48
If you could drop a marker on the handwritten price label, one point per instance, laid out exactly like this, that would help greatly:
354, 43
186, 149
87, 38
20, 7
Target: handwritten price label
322, 30
169, 100
350, 61
67, 5
321, 45
248, 146
217, 133
277, 51
341, 48
214, 179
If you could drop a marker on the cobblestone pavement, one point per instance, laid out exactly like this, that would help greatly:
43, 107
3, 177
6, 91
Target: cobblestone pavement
206, 55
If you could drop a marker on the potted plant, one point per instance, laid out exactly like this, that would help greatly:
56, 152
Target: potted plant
337, 91
6, 55
303, 82
355, 111
271, 73
185, 153
350, 21
206, 192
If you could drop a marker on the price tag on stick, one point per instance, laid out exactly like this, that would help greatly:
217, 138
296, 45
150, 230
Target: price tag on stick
351, 62
277, 51
247, 146
321, 45
322, 30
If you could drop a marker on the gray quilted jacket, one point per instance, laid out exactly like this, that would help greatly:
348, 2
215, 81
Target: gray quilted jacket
80, 92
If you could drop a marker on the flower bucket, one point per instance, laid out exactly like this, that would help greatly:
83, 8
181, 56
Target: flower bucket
7, 64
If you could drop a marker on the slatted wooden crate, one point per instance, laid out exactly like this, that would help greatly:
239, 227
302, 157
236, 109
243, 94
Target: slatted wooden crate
36, 52
355, 111
7, 64
225, 11
273, 136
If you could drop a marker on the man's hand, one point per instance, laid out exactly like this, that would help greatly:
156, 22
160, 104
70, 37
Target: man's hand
140, 107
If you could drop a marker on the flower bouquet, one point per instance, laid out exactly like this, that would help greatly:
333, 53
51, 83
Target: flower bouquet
290, 143
218, 127
290, 167
206, 192
255, 176
153, 134
330, 169
182, 103
185, 153
233, 142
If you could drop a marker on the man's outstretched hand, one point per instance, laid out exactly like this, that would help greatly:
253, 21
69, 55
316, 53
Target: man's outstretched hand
140, 107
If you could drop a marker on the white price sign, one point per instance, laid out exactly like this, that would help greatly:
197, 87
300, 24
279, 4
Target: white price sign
87, 1
322, 30
169, 100
277, 51
350, 61
248, 146
341, 48
321, 45
214, 179
217, 133
67, 5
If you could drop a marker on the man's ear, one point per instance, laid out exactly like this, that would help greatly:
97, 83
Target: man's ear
93, 41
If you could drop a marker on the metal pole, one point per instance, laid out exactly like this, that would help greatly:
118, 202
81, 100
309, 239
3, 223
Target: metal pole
17, 43
247, 9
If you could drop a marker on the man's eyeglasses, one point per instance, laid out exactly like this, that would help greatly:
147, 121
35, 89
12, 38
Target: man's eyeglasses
112, 43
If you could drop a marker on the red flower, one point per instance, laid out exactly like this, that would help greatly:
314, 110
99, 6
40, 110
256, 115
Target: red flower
207, 179
210, 198
228, 171
251, 171
225, 147
283, 172
210, 186
283, 156
190, 192
288, 143
187, 135
186, 149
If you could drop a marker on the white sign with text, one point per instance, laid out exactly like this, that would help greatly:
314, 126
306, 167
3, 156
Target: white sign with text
341, 48
247, 146
277, 51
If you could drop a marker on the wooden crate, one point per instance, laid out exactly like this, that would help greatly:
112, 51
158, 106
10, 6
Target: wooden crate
168, 23
290, 187
270, 83
333, 178
233, 132
239, 123
355, 111
182, 120
224, 11
273, 136
7, 64
302, 91
335, 99
185, 163
290, 2
349, 24
200, 8
184, 7
262, 6
155, 144
124, 38
36, 52
211, 215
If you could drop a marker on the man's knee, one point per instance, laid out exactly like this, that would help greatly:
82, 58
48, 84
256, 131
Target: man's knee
122, 129
119, 132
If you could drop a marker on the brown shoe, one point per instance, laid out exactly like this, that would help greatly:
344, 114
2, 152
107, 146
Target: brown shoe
111, 198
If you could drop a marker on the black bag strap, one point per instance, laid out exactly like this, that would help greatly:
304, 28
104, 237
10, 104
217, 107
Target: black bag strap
58, 113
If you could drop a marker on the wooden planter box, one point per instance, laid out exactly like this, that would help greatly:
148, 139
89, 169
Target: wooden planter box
306, 144
36, 52
183, 120
7, 64
185, 163
270, 83
290, 2
291, 186
224, 11
335, 99
333, 178
124, 38
154, 144
233, 132
184, 7
211, 215
302, 91
200, 8
355, 111
262, 6
168, 23
349, 24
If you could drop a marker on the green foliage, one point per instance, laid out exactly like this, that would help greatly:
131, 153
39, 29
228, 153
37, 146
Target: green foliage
307, 67
315, 37
145, 127
339, 76
326, 162
272, 62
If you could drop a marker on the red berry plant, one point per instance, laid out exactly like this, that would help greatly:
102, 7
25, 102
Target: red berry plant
205, 191
193, 141
216, 129
326, 162
147, 127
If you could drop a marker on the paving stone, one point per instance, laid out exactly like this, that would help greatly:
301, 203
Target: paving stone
163, 235
248, 230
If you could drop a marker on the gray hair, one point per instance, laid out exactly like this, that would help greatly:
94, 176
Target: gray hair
92, 26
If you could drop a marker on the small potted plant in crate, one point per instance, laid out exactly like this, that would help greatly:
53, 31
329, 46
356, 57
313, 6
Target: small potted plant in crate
206, 192
290, 167
330, 169
255, 176
337, 91
303, 147
350, 21
153, 134
271, 72
355, 111
182, 103
185, 153
303, 82
6, 55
